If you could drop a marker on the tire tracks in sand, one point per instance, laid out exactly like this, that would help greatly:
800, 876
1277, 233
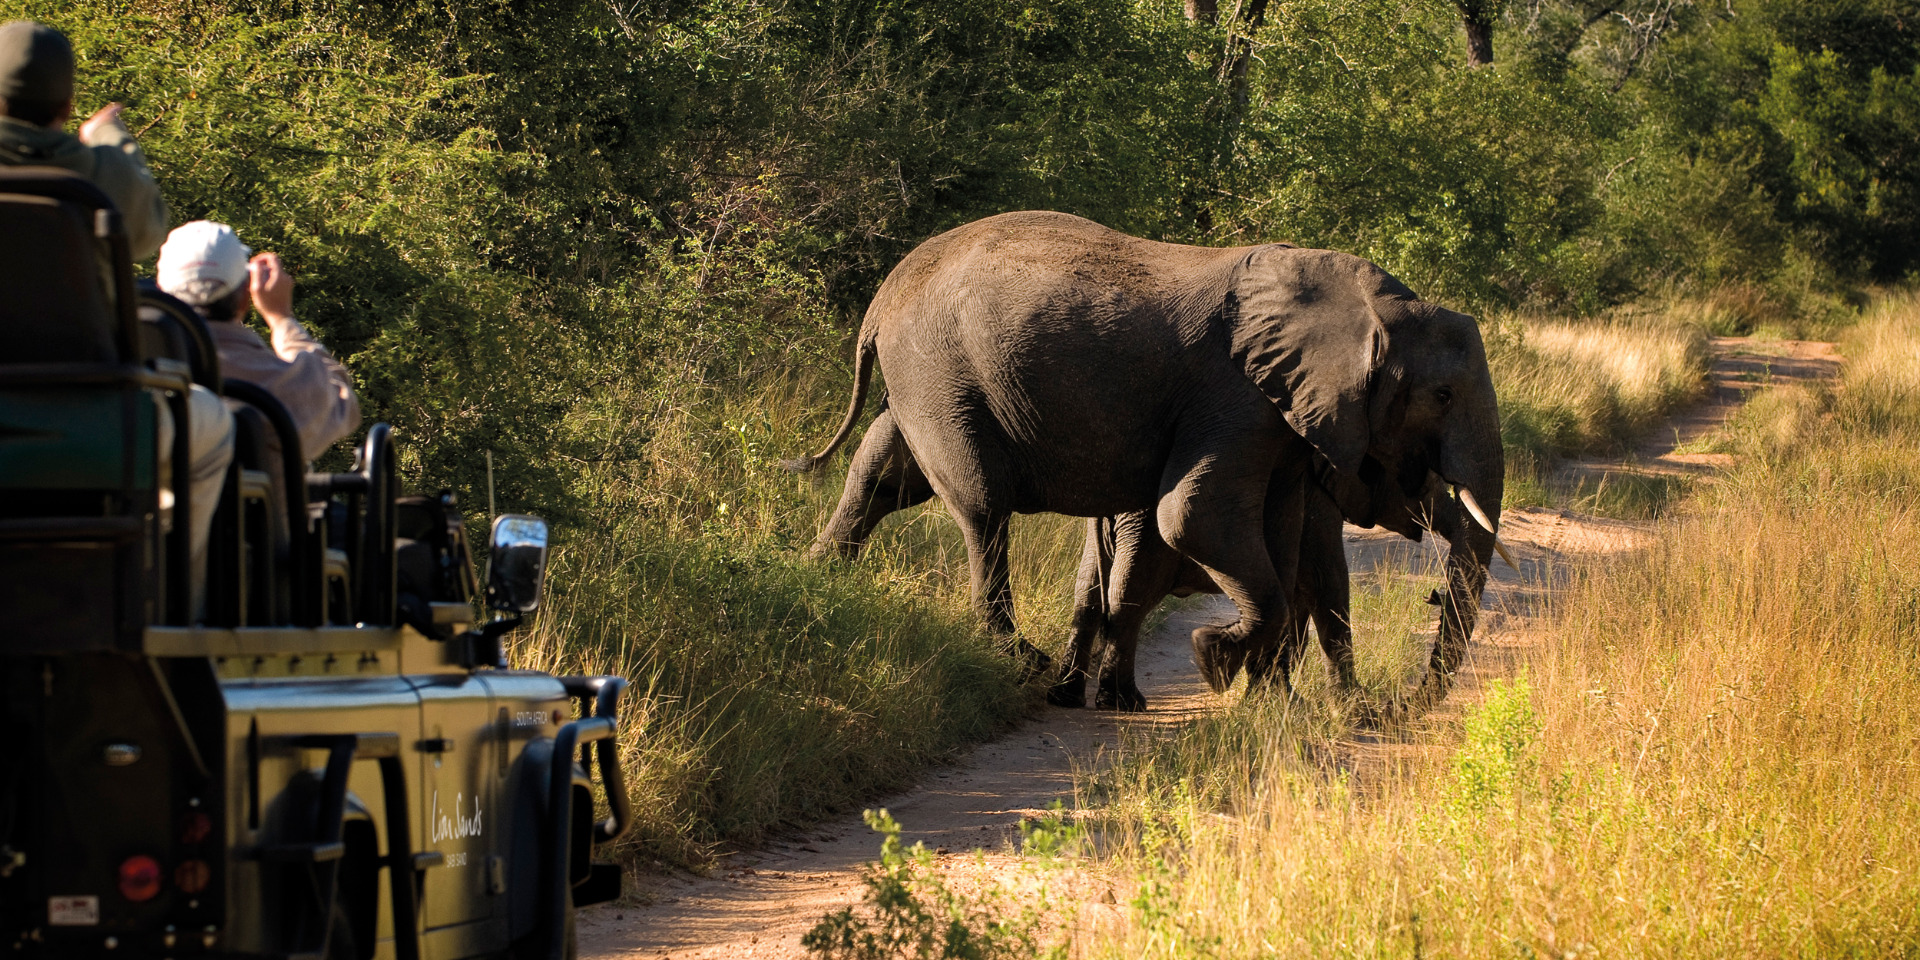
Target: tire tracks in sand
758, 903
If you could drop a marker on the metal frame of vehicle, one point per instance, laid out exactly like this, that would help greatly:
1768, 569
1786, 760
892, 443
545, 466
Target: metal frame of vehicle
314, 777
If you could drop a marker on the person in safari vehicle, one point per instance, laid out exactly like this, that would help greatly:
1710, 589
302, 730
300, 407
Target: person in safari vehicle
36, 101
206, 265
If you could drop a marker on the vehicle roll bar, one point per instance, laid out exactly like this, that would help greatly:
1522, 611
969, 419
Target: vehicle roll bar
370, 487
601, 727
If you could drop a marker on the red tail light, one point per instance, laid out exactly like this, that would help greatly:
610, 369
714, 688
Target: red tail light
195, 827
140, 878
192, 876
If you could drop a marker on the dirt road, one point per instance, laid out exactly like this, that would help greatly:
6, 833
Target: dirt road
1741, 367
758, 904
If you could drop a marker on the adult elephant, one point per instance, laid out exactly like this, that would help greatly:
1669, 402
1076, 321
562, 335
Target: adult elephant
1039, 362
1126, 570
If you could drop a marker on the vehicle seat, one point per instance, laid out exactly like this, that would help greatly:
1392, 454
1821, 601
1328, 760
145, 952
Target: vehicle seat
263, 524
170, 328
77, 427
285, 554
61, 303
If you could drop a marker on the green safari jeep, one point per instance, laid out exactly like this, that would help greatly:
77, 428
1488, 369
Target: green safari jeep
309, 748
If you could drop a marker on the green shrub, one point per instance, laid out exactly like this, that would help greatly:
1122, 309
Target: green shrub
912, 913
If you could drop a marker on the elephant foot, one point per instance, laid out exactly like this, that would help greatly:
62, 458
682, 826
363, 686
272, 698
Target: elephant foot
1121, 695
833, 550
1346, 681
1033, 662
1267, 670
1070, 693
1368, 715
1269, 684
1219, 655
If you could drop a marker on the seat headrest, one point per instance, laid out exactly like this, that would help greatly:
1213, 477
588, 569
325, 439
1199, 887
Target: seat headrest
57, 269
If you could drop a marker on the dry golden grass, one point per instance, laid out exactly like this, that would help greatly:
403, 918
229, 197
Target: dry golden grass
1590, 386
1713, 751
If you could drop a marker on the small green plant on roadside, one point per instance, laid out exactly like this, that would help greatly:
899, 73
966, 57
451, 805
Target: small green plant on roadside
1053, 837
1497, 753
911, 911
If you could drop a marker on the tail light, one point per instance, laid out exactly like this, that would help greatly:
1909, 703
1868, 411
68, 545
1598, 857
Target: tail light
140, 878
192, 876
195, 827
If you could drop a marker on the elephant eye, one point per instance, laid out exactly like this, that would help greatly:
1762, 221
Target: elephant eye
1444, 395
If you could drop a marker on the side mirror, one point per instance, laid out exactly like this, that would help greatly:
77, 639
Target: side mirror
517, 568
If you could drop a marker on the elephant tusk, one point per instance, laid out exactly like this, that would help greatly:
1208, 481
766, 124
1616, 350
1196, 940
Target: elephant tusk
1480, 517
1473, 507
1504, 555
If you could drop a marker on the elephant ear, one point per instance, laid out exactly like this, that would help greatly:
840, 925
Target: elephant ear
1306, 327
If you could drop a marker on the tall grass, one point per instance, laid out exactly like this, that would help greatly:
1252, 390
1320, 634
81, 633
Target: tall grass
1571, 387
768, 688
1713, 749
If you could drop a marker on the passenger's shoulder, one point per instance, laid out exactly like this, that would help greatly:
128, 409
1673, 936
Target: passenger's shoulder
236, 336
23, 143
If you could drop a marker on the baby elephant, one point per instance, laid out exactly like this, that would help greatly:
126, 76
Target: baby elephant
1126, 570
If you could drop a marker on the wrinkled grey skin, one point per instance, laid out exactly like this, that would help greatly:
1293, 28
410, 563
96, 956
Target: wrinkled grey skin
1126, 570
1038, 362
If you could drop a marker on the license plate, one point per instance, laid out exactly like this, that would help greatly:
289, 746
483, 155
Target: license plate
73, 911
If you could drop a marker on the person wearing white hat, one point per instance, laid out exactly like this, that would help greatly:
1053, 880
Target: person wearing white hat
205, 264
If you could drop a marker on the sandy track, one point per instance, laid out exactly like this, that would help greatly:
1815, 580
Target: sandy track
759, 903
1741, 367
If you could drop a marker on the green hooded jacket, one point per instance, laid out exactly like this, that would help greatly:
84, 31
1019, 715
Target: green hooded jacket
113, 162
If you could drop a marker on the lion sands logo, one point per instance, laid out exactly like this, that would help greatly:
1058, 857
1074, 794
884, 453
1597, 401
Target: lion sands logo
459, 826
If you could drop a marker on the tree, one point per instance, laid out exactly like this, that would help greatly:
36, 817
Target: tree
1478, 17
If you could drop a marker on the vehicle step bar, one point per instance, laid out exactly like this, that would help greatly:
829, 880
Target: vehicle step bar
601, 695
328, 848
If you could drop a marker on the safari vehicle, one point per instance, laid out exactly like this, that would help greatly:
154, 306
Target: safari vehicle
333, 760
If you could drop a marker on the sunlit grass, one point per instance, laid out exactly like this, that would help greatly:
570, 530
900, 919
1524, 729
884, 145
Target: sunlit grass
1712, 750
1590, 386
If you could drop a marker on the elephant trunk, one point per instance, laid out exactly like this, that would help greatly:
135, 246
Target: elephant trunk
1470, 521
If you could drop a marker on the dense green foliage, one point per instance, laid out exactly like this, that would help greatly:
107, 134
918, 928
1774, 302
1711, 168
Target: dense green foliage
621, 244
499, 209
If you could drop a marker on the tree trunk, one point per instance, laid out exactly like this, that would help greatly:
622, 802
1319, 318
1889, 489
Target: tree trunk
1205, 11
1233, 67
1478, 16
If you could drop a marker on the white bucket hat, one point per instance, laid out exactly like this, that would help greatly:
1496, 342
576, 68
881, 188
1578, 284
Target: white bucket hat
202, 261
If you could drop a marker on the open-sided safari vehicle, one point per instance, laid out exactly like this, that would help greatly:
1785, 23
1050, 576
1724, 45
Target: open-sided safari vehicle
332, 760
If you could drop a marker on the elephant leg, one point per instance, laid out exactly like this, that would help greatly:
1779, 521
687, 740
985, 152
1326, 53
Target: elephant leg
1207, 515
1331, 622
1143, 572
1271, 667
1096, 556
883, 478
1324, 577
986, 534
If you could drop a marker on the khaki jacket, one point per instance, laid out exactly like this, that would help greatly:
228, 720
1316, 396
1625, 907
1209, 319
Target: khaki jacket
299, 372
113, 162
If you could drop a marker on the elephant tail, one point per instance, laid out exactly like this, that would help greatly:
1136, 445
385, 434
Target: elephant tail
862, 376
